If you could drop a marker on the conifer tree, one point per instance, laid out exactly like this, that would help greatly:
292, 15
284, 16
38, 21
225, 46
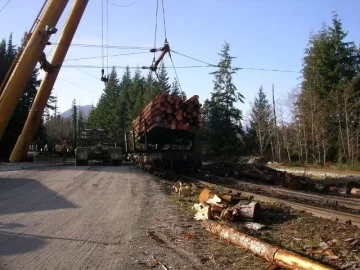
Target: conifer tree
151, 88
261, 122
73, 120
223, 118
163, 78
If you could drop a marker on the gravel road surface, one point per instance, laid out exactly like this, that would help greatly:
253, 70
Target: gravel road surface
94, 217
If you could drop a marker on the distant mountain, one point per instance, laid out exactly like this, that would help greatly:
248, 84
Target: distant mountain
85, 110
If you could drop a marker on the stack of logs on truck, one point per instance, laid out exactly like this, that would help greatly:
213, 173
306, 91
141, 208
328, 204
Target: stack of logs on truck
163, 133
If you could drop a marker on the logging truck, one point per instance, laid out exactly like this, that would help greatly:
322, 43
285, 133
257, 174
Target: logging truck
95, 144
163, 133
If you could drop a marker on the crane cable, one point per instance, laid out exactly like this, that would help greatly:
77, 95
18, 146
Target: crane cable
172, 61
107, 38
104, 78
166, 41
156, 14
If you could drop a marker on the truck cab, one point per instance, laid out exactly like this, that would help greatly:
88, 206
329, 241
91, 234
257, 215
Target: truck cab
97, 145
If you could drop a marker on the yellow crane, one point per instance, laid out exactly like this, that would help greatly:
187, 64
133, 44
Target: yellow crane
21, 72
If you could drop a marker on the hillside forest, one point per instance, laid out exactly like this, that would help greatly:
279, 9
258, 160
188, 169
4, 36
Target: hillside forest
316, 123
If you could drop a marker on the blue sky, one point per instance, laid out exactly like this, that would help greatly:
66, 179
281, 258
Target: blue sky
262, 34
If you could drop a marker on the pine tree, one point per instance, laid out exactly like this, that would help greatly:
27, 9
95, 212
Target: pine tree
151, 89
163, 78
261, 122
8, 53
175, 89
73, 120
222, 118
105, 115
136, 95
329, 68
80, 122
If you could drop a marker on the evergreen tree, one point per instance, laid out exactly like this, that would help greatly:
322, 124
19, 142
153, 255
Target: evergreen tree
73, 120
80, 122
175, 89
136, 95
329, 68
163, 78
151, 89
222, 118
124, 105
261, 122
105, 115
8, 53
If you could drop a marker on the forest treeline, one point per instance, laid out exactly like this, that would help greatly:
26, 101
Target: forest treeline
318, 122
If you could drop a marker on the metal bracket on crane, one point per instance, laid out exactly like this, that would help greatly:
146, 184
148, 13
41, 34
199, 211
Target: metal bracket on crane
45, 64
164, 50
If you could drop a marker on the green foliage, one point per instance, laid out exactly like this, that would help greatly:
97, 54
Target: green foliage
163, 79
222, 118
8, 52
261, 122
151, 90
123, 99
73, 120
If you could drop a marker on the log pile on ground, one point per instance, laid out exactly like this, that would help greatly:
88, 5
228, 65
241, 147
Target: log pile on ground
169, 112
281, 178
264, 174
226, 206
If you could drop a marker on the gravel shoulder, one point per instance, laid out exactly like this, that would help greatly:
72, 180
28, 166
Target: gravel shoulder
102, 217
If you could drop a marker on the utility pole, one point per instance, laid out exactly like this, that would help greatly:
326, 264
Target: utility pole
28, 60
42, 96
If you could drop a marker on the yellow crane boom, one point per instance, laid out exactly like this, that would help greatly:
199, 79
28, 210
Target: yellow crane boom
44, 91
20, 74
27, 62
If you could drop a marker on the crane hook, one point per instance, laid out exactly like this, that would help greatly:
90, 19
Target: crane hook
103, 77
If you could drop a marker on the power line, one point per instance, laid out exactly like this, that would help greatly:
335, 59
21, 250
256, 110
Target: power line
100, 46
187, 67
267, 69
79, 86
243, 68
97, 78
4, 6
112, 55
200, 61
122, 6
132, 67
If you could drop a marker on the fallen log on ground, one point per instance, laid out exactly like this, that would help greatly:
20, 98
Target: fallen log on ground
273, 254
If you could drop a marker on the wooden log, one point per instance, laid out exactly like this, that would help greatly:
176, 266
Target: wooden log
169, 111
273, 254
243, 210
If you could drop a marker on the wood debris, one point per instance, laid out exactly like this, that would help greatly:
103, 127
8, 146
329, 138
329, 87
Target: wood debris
225, 206
182, 189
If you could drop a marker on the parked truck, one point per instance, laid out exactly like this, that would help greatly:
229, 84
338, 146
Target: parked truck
96, 144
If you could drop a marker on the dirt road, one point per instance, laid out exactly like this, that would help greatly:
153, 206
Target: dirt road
99, 217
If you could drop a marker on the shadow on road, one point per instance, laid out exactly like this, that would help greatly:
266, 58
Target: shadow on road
19, 195
16, 243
